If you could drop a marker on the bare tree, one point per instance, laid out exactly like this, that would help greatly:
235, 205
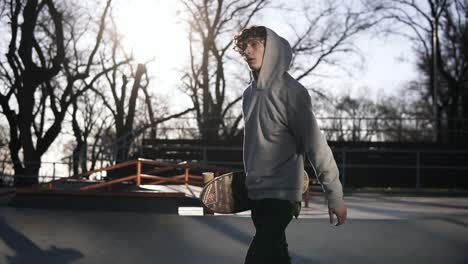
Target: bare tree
391, 118
124, 86
328, 32
5, 166
3, 143
350, 118
327, 35
438, 30
212, 25
400, 118
36, 95
89, 125
123, 103
3, 7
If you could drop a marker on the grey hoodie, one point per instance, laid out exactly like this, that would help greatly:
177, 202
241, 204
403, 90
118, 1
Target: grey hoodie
280, 129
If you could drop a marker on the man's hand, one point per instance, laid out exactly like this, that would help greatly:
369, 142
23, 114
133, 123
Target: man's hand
340, 215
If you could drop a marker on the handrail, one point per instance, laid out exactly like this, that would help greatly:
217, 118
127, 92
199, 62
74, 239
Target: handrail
109, 183
418, 160
112, 167
185, 178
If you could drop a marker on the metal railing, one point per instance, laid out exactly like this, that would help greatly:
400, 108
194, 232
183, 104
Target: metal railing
414, 163
402, 129
417, 164
48, 171
150, 176
139, 175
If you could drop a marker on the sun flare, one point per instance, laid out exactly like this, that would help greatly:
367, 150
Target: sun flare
152, 30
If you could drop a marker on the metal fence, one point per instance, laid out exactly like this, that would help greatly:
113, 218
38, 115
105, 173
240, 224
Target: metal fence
348, 129
48, 171
403, 168
359, 167
343, 128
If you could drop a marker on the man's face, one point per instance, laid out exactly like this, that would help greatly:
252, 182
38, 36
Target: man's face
253, 53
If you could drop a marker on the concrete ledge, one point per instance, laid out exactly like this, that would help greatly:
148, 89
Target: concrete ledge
390, 191
164, 203
102, 193
6, 194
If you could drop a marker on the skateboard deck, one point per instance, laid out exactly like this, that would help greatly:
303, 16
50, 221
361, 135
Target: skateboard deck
227, 193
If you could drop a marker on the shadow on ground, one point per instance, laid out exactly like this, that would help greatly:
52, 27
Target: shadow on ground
26, 250
224, 227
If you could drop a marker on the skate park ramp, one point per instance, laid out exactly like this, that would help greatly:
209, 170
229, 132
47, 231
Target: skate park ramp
380, 229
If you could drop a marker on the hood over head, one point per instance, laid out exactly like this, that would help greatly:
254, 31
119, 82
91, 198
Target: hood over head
276, 59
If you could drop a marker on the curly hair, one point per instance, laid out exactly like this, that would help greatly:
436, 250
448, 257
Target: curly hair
253, 32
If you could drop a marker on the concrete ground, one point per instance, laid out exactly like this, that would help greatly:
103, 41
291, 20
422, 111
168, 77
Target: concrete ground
380, 229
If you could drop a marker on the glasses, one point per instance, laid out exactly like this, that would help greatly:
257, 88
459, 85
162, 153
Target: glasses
242, 45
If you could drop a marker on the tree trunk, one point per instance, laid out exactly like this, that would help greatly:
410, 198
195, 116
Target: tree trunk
79, 158
83, 158
124, 131
464, 119
212, 127
27, 175
123, 148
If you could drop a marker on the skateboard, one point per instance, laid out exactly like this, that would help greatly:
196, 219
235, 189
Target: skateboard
227, 193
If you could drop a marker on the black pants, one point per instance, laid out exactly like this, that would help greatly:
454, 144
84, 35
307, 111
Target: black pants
270, 218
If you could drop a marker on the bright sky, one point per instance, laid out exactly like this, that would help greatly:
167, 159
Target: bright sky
152, 28
388, 62
388, 66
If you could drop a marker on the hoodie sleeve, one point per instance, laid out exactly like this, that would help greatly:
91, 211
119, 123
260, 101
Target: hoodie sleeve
312, 142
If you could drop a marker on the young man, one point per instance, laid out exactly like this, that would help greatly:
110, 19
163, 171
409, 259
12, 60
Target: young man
280, 131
